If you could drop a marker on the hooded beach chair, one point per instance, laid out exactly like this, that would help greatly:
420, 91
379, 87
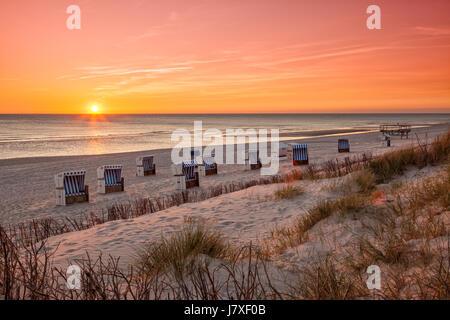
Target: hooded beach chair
109, 179
252, 161
145, 166
70, 188
186, 175
209, 166
343, 145
298, 153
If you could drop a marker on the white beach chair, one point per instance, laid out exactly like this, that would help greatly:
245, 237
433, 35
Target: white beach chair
298, 153
252, 161
70, 187
109, 179
186, 175
145, 166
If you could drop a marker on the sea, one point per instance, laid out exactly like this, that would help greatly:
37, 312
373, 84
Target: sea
37, 135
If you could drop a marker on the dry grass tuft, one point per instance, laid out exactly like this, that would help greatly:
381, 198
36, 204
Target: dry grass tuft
294, 175
365, 180
182, 250
288, 192
324, 281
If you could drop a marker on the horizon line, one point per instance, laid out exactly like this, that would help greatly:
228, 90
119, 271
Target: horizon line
219, 113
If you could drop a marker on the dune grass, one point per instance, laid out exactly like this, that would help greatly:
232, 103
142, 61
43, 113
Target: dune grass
380, 169
182, 250
296, 232
410, 240
324, 281
365, 180
288, 191
432, 190
394, 163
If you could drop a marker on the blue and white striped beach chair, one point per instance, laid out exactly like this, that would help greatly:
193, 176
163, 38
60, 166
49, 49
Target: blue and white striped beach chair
343, 145
186, 175
145, 166
209, 166
109, 179
70, 187
298, 153
190, 171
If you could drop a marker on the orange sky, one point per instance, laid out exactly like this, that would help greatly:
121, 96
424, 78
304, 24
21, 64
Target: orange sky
139, 56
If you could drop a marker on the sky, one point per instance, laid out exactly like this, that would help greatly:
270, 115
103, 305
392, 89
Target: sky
228, 56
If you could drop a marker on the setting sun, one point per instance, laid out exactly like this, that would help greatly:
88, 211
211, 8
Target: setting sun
95, 109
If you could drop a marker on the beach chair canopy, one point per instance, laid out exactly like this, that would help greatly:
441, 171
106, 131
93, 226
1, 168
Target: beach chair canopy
113, 175
300, 152
189, 170
343, 144
209, 163
147, 162
74, 183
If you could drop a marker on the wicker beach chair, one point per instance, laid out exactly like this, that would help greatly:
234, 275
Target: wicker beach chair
70, 187
186, 175
298, 153
209, 166
343, 145
145, 166
109, 179
252, 160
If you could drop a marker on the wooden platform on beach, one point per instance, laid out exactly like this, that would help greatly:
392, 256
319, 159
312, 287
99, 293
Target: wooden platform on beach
401, 130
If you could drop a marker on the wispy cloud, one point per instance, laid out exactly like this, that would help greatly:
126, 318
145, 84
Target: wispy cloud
91, 73
347, 51
432, 31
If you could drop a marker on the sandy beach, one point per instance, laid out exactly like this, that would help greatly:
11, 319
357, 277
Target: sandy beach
28, 191
244, 216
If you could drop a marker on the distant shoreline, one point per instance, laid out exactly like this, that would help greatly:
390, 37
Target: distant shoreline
284, 137
49, 136
290, 136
